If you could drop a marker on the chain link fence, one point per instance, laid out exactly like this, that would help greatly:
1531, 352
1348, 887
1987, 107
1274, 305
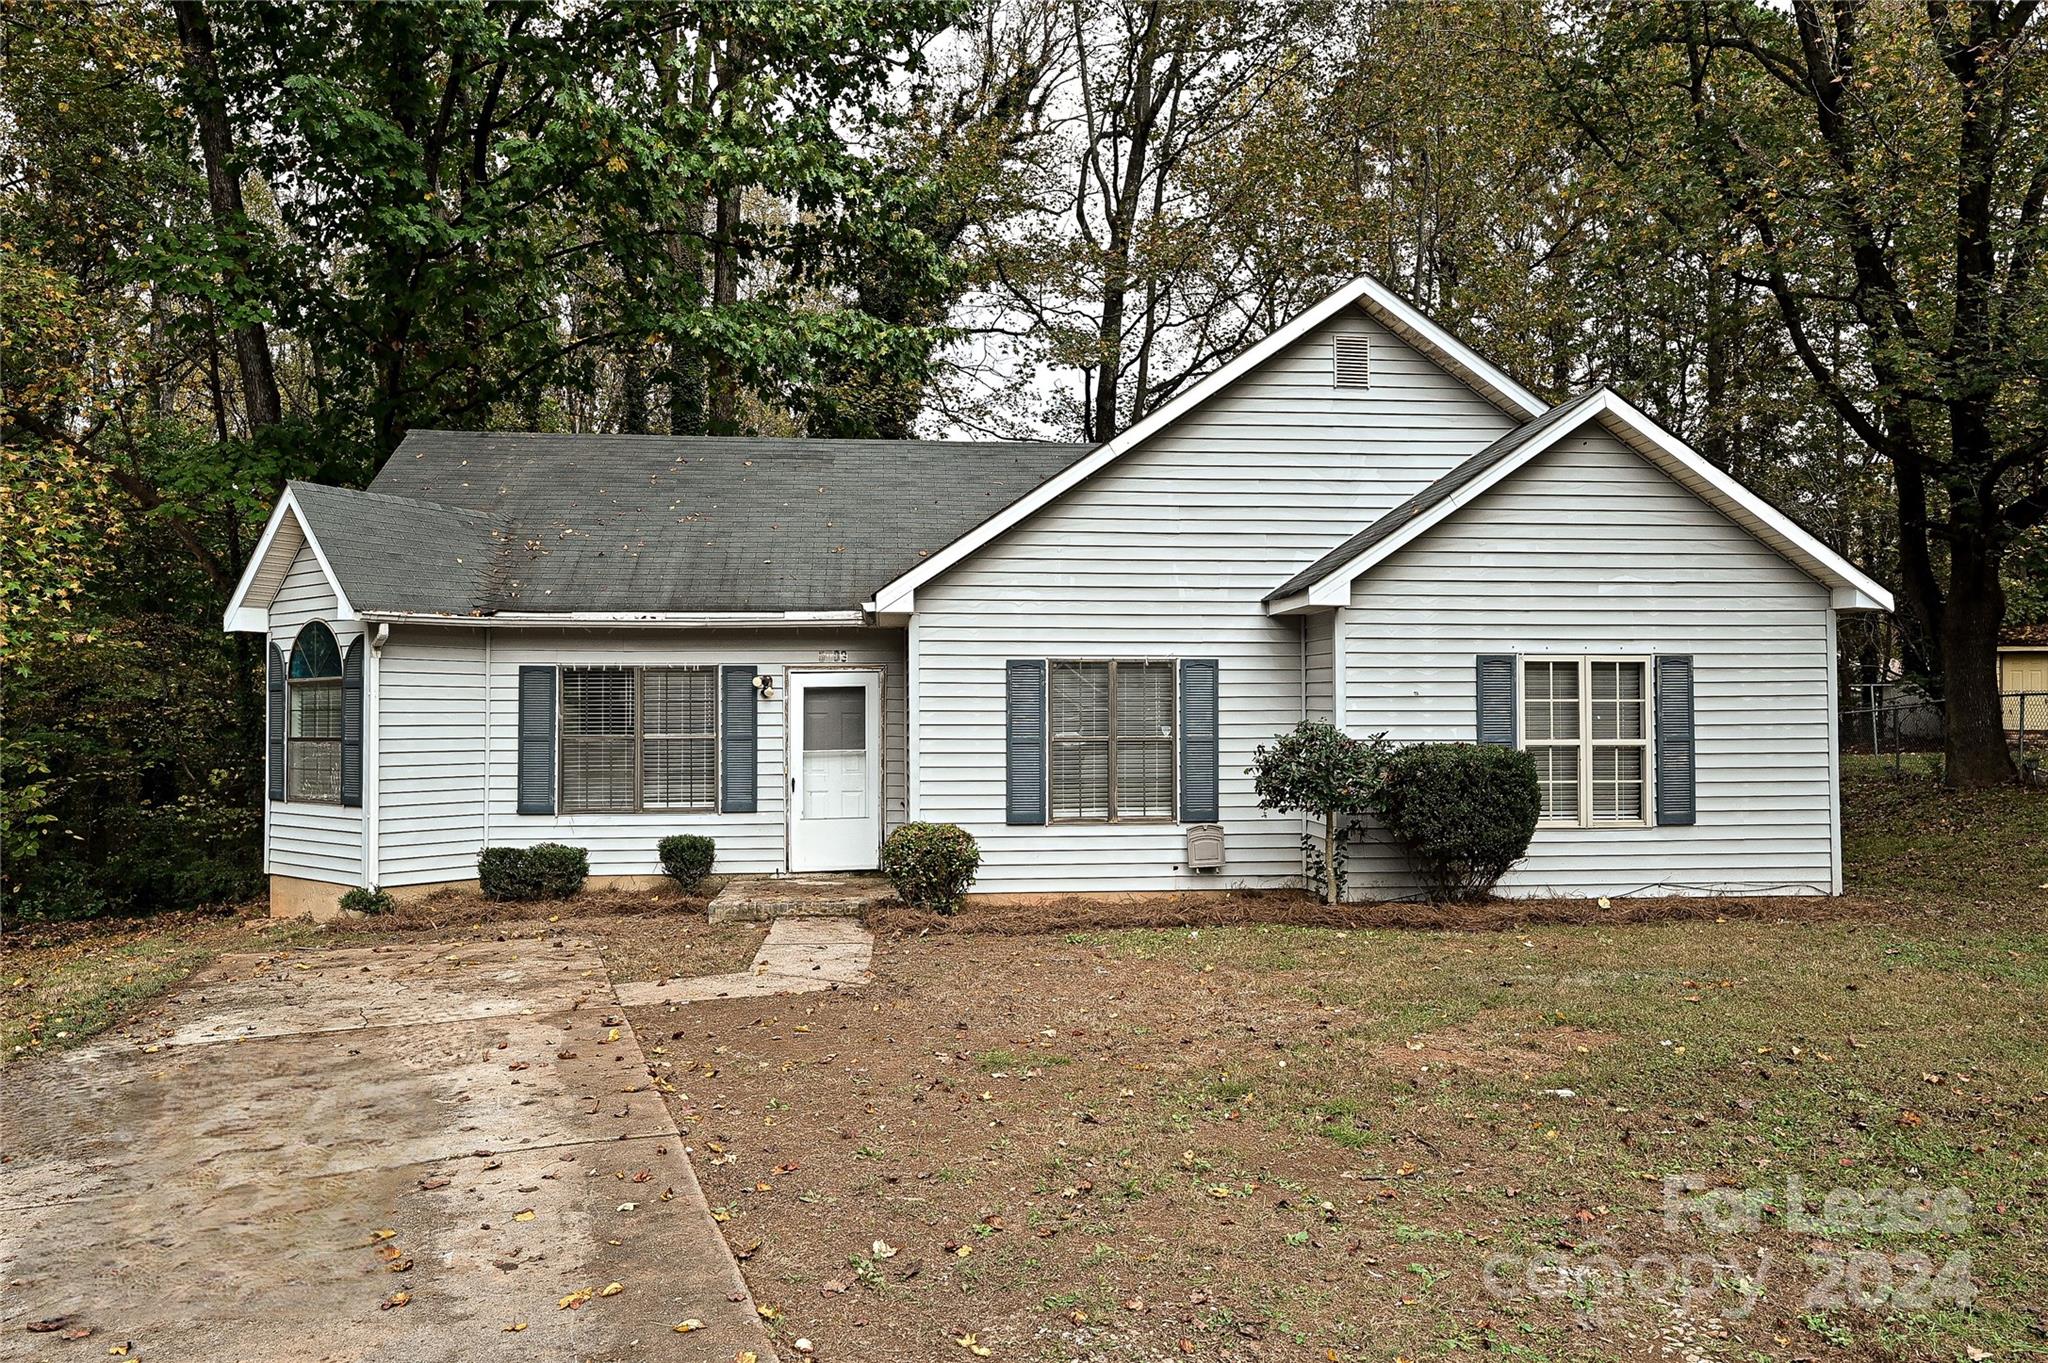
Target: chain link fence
1892, 719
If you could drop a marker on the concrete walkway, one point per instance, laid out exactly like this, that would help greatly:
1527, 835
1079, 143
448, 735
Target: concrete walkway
402, 1153
800, 956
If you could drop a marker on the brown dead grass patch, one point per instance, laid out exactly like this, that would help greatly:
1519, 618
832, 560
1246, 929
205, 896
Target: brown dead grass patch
1497, 1042
1293, 908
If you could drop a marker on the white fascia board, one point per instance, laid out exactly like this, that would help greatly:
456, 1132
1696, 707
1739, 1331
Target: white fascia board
630, 619
1365, 291
1780, 531
1850, 589
243, 617
1401, 315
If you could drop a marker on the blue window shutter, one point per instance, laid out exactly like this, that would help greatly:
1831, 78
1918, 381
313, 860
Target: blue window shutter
536, 740
739, 746
1495, 676
274, 748
352, 725
1200, 747
1676, 802
1024, 745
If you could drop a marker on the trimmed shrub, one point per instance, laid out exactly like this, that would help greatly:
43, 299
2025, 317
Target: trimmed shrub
1463, 814
687, 858
371, 901
546, 870
931, 864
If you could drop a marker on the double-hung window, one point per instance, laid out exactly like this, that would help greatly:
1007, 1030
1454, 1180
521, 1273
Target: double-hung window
639, 738
313, 730
1586, 721
1112, 732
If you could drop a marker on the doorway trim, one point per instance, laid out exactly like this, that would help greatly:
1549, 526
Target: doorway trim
797, 681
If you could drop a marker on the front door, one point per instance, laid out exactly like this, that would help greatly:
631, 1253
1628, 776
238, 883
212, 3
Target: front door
835, 781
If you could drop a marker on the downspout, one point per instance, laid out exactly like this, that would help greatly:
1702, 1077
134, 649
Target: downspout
489, 683
373, 749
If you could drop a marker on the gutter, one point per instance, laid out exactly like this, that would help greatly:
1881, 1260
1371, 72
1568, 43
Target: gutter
627, 619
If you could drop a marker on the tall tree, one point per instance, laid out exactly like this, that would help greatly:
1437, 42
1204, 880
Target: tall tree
1886, 176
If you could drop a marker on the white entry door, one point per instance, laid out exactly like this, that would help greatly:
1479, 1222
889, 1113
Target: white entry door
835, 783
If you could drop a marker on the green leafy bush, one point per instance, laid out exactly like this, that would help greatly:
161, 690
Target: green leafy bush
931, 864
546, 870
687, 858
1319, 770
1463, 814
372, 901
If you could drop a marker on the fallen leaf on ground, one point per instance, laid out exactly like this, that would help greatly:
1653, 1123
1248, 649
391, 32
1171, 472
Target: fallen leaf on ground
687, 1326
574, 1301
968, 1343
396, 1299
611, 1289
526, 1215
515, 1327
883, 1249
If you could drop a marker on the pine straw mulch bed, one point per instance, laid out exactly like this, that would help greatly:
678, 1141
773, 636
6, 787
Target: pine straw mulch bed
1293, 908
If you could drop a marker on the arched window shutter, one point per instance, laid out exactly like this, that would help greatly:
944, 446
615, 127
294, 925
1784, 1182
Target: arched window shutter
352, 725
274, 747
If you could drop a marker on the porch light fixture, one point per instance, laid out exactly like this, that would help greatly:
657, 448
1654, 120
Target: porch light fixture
764, 684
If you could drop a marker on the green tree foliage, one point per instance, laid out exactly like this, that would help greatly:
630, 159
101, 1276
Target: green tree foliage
1321, 771
242, 243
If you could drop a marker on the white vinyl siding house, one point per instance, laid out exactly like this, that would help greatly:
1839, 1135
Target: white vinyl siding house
305, 839
1166, 555
454, 759
1592, 552
1073, 653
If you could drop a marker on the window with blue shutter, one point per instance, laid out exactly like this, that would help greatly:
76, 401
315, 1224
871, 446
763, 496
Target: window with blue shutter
536, 740
1024, 741
1495, 690
274, 747
1200, 744
739, 761
352, 724
1676, 777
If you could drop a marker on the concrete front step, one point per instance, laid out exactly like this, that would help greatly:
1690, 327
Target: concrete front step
751, 899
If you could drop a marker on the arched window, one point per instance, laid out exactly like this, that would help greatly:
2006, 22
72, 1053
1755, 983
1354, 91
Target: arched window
313, 738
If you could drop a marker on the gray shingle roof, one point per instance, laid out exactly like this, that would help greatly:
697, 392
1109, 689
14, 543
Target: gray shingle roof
615, 523
1433, 495
400, 554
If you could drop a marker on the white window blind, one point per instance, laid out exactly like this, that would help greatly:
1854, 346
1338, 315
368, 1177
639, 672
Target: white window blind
639, 739
1112, 729
1586, 723
678, 738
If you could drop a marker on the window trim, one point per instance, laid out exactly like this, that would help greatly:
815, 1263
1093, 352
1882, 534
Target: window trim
1112, 741
293, 687
1586, 742
638, 739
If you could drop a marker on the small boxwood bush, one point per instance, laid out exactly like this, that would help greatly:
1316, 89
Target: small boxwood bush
546, 870
371, 901
931, 864
687, 858
1463, 814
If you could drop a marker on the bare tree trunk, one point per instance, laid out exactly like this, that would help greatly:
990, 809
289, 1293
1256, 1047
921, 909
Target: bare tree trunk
260, 402
686, 249
1330, 858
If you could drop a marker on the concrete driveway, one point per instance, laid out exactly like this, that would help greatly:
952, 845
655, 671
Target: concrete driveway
388, 1153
